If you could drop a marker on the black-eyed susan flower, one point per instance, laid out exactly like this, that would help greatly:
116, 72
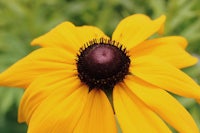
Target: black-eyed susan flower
82, 81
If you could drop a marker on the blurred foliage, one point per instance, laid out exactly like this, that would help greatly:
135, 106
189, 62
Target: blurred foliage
23, 20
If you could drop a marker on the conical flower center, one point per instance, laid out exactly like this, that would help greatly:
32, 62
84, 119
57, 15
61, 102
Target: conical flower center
102, 64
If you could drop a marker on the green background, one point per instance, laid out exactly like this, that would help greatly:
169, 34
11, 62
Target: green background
23, 20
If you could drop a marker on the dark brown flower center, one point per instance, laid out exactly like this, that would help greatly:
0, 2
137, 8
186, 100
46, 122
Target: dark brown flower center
102, 64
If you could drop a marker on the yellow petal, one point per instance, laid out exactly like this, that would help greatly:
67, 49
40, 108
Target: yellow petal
165, 76
136, 28
39, 62
88, 33
163, 104
133, 115
60, 111
169, 49
61, 36
41, 88
98, 116
69, 37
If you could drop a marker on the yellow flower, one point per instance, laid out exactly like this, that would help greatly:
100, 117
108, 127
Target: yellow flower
82, 81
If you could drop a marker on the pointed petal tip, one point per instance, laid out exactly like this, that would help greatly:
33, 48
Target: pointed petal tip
161, 20
34, 42
4, 82
163, 17
196, 60
192, 60
41, 39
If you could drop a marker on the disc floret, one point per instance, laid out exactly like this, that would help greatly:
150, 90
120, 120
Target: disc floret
102, 63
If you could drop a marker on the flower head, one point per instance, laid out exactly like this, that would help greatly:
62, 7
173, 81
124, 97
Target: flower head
83, 81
